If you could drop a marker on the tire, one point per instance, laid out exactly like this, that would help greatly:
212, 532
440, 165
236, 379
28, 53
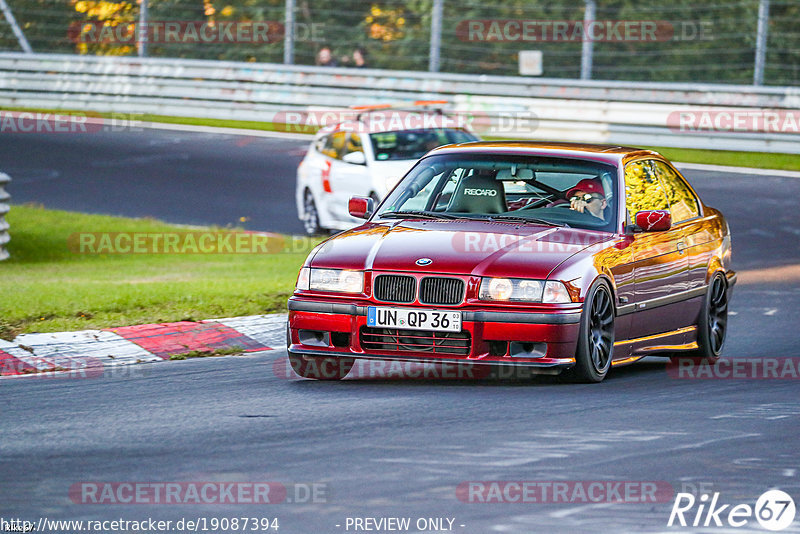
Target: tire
310, 215
595, 348
713, 322
321, 368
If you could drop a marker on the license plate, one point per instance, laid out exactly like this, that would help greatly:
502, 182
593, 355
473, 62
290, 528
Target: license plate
414, 319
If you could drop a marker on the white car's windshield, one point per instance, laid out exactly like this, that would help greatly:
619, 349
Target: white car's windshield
558, 191
413, 144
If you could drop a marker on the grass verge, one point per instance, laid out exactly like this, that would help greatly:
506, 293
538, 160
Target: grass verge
761, 160
46, 287
207, 353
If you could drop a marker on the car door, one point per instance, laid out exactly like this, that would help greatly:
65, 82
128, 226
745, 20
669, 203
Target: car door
659, 261
319, 172
347, 179
696, 240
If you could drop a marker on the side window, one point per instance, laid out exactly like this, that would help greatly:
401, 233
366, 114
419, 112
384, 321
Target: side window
683, 203
446, 194
319, 144
334, 145
353, 144
643, 191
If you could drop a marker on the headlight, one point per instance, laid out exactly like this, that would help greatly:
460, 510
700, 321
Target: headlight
555, 293
522, 290
336, 280
511, 289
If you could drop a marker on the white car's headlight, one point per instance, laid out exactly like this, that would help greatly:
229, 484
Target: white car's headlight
336, 280
522, 290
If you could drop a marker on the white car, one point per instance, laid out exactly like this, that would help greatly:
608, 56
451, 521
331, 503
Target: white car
362, 158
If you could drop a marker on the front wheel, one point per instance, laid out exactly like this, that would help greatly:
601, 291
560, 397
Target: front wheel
310, 215
321, 368
596, 338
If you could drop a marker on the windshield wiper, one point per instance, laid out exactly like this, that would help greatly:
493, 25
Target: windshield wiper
526, 220
402, 214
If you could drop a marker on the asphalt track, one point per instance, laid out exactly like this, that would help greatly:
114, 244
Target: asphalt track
181, 177
386, 447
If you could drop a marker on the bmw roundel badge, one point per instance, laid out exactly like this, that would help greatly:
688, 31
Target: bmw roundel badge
424, 262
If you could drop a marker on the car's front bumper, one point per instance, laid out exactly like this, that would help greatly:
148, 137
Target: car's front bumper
539, 340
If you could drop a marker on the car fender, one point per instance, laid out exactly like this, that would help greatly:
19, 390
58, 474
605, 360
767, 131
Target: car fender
581, 269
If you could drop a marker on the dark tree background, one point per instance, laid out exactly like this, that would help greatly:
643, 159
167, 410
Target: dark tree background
714, 41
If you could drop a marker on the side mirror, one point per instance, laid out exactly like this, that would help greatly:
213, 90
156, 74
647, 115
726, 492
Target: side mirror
653, 220
355, 158
361, 207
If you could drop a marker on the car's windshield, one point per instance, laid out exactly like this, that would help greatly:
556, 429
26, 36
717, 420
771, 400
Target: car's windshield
413, 144
559, 191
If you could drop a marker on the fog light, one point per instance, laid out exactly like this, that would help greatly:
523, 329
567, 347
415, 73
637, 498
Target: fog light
527, 349
314, 338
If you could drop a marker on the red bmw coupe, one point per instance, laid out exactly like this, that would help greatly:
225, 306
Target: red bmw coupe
564, 258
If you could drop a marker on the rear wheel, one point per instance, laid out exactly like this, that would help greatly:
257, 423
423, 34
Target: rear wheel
712, 326
320, 367
310, 215
596, 338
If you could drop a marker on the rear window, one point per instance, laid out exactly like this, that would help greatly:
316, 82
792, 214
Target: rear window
413, 144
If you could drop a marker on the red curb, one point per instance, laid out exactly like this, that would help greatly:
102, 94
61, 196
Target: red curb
167, 339
11, 365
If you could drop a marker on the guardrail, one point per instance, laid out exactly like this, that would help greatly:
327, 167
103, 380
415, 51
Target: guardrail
579, 110
4, 198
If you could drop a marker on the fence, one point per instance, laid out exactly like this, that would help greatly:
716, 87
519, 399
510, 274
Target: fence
4, 198
648, 114
731, 41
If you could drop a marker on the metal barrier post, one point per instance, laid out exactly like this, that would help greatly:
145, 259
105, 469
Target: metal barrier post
761, 42
143, 28
288, 37
4, 198
587, 47
436, 36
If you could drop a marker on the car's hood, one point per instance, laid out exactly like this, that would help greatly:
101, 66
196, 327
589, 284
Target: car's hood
455, 247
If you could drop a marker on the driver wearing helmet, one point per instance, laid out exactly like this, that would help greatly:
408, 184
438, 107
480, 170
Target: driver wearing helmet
589, 197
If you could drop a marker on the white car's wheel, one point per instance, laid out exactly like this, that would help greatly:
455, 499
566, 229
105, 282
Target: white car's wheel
310, 215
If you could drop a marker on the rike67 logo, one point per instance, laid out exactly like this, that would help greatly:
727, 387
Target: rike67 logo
774, 510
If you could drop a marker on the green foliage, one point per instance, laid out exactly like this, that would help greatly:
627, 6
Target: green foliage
47, 286
711, 40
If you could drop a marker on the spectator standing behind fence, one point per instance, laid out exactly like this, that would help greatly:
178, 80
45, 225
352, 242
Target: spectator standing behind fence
360, 58
357, 61
325, 57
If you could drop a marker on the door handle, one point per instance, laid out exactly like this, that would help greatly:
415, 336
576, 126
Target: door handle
681, 246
